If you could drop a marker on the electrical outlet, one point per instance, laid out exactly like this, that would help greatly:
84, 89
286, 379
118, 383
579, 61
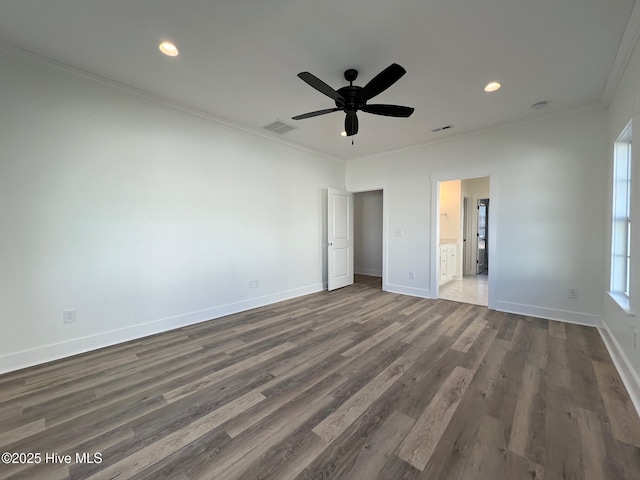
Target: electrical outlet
254, 283
69, 316
412, 275
398, 232
573, 293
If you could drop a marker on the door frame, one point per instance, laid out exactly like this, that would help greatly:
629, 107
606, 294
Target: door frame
434, 268
370, 187
467, 236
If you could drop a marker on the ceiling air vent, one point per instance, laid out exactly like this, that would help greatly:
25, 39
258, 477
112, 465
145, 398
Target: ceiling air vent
439, 129
279, 127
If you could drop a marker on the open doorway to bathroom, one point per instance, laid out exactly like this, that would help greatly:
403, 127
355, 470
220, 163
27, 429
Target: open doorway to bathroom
463, 253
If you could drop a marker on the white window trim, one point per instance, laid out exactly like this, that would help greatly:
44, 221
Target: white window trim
623, 302
618, 294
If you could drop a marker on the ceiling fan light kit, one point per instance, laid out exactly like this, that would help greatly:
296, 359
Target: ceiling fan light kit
352, 98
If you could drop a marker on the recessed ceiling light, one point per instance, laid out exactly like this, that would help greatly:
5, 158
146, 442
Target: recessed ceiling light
168, 49
492, 87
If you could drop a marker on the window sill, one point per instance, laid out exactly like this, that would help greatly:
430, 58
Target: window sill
623, 302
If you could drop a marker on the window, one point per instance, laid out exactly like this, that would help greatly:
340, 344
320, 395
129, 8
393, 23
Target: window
621, 219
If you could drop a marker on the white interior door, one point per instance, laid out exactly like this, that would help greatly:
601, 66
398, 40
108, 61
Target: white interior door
340, 241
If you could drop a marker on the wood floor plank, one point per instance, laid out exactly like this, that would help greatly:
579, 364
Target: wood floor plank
419, 444
520, 433
520, 467
584, 384
251, 444
309, 356
538, 354
288, 459
422, 307
421, 327
562, 449
380, 448
21, 432
456, 447
587, 341
464, 341
372, 341
456, 319
361, 370
338, 421
505, 387
487, 459
342, 454
508, 326
426, 378
355, 383
617, 404
593, 449
558, 367
557, 330
398, 469
478, 350
219, 375
140, 460
489, 367
277, 333
278, 400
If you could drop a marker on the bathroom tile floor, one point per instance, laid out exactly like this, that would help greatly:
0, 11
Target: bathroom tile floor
469, 289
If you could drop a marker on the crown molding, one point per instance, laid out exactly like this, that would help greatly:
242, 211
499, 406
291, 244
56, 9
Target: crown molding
486, 131
625, 50
39, 62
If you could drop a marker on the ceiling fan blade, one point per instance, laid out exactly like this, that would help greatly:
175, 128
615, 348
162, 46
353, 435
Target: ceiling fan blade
314, 114
351, 124
389, 110
383, 80
319, 85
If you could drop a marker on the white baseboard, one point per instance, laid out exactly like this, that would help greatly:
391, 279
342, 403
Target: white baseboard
568, 316
414, 292
627, 373
368, 271
48, 353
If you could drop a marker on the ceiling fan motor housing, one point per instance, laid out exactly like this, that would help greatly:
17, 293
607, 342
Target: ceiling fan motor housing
352, 99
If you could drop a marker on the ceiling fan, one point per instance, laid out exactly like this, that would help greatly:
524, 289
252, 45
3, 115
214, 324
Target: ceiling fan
353, 98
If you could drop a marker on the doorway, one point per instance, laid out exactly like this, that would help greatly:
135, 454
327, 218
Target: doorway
482, 262
463, 236
368, 237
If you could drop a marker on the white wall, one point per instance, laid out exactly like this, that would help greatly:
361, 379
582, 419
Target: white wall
141, 218
367, 246
618, 325
476, 186
547, 208
450, 211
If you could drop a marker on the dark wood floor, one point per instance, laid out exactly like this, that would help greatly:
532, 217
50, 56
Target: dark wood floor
352, 384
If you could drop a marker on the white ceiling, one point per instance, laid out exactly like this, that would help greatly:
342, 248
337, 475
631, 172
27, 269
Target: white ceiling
239, 58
